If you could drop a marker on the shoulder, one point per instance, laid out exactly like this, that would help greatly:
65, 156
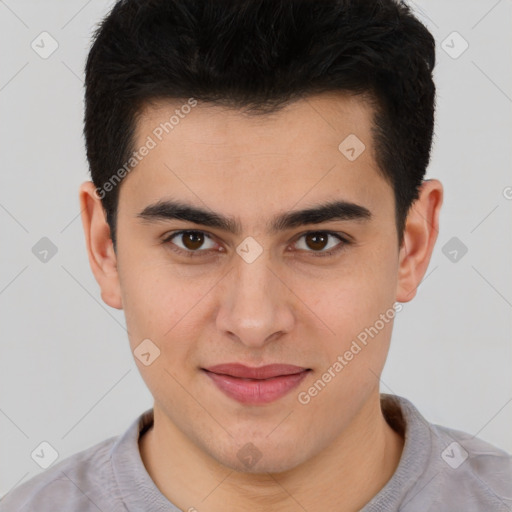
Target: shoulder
443, 469
490, 465
468, 473
81, 482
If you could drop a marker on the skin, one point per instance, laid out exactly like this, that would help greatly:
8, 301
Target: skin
288, 306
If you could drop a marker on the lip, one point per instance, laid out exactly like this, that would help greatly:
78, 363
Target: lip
256, 385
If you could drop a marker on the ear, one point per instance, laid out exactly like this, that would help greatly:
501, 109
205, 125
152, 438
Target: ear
420, 235
100, 249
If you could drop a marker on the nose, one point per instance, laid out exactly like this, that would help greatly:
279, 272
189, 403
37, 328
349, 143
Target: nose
255, 305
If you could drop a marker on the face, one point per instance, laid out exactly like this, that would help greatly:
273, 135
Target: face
252, 290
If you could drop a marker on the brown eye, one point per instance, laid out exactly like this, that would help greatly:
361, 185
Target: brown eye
316, 241
321, 243
192, 240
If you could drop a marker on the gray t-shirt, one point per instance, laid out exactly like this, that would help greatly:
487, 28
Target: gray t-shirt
440, 470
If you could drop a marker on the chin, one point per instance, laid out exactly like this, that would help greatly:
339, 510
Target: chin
273, 467
249, 459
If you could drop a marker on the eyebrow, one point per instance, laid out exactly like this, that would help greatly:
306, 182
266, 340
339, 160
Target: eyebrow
177, 210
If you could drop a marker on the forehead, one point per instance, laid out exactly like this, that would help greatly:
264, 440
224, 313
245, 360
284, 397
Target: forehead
317, 148
320, 120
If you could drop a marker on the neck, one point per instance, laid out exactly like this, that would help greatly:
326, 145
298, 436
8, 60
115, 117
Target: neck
344, 476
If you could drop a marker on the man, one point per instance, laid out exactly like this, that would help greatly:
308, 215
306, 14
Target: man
259, 211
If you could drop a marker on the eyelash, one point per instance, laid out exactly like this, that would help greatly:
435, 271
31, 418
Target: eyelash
200, 252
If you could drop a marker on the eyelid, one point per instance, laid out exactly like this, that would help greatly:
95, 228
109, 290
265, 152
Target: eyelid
343, 238
170, 236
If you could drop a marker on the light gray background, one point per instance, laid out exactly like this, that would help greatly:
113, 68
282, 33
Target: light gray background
66, 372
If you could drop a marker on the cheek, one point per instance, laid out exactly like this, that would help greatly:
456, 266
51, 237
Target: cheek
354, 298
159, 315
359, 309
153, 301
168, 308
354, 305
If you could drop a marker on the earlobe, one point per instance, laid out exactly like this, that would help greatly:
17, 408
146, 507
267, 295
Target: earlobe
100, 250
421, 230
